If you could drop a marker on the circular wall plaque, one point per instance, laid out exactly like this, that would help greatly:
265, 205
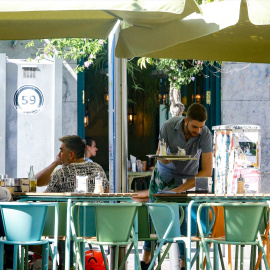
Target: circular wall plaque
28, 99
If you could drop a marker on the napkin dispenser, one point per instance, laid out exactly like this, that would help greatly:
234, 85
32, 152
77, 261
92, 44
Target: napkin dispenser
203, 184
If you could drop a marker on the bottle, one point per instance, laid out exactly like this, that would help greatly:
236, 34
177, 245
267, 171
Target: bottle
98, 184
240, 185
163, 148
32, 180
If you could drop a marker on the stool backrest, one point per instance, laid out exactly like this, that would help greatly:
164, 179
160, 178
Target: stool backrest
23, 221
114, 221
49, 226
242, 221
86, 215
164, 215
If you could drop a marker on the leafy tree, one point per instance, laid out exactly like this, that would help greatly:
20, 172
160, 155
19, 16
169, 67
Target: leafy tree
70, 49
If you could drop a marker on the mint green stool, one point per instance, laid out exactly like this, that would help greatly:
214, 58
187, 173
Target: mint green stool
242, 222
114, 227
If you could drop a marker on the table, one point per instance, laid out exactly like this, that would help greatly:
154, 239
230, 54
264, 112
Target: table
193, 199
132, 175
69, 198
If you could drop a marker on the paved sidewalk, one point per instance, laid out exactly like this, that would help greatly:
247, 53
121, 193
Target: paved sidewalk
166, 263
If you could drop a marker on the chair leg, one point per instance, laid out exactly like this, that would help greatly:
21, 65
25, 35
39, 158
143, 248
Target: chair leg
22, 260
82, 251
196, 257
253, 258
264, 258
236, 257
1, 256
201, 258
268, 251
229, 257
265, 243
77, 254
125, 257
205, 249
151, 266
45, 256
137, 257
116, 257
163, 256
221, 257
26, 248
242, 258
104, 257
260, 245
216, 262
15, 257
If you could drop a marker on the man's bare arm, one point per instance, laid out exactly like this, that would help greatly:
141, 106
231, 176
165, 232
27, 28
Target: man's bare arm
44, 176
207, 170
141, 196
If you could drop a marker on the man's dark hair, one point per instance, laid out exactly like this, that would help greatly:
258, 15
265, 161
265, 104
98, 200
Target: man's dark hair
89, 140
74, 143
197, 112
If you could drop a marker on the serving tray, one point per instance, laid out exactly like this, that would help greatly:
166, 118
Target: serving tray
173, 157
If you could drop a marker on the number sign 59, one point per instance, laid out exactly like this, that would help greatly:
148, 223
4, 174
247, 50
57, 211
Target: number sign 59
28, 99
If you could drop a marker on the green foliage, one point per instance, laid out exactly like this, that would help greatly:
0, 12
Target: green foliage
143, 90
70, 49
179, 72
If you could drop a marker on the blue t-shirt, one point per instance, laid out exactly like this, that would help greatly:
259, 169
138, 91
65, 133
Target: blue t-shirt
173, 134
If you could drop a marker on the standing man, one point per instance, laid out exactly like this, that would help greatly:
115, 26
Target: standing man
71, 156
90, 149
191, 134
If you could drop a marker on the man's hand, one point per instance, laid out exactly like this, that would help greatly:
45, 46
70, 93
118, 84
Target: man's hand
57, 161
164, 161
190, 183
141, 196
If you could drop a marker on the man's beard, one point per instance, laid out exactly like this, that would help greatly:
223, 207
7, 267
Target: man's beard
191, 134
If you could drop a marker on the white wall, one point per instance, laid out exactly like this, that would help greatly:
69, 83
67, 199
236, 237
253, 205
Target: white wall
245, 99
65, 100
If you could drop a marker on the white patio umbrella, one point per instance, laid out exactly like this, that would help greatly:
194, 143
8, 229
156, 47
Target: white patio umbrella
231, 30
32, 19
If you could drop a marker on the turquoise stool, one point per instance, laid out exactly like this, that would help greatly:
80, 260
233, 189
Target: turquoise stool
23, 225
166, 220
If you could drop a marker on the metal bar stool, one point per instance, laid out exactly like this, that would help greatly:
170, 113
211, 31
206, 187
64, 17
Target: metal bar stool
23, 225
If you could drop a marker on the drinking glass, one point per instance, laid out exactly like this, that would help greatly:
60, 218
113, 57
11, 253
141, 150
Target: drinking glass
139, 165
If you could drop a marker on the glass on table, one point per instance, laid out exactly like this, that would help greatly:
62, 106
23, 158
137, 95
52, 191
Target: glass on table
3, 178
9, 184
139, 165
